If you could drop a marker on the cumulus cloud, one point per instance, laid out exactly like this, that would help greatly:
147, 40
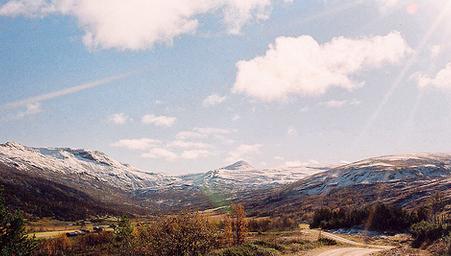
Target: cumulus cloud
161, 121
213, 100
303, 66
167, 150
160, 153
136, 144
243, 151
119, 118
441, 80
139, 24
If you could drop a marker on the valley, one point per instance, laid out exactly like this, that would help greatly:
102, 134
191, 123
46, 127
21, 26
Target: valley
76, 192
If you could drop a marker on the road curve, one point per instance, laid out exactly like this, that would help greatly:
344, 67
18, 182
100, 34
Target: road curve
353, 243
351, 251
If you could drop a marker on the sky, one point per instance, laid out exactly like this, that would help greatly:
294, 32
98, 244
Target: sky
185, 86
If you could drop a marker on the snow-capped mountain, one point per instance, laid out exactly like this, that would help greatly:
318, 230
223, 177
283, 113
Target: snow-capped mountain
83, 164
66, 182
421, 166
242, 176
405, 180
93, 175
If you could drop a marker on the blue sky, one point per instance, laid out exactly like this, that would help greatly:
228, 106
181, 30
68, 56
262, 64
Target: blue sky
187, 86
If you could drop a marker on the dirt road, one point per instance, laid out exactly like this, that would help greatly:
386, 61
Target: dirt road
357, 249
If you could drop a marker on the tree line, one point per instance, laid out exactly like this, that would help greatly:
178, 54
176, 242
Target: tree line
427, 224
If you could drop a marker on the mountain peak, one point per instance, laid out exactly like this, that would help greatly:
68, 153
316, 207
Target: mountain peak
240, 165
13, 144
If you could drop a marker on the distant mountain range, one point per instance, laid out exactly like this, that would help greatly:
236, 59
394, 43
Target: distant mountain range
405, 180
74, 183
120, 187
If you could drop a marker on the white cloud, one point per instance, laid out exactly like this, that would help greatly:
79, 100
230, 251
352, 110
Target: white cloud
189, 145
119, 118
213, 100
202, 133
435, 50
183, 135
28, 8
441, 80
136, 144
292, 131
160, 153
195, 154
302, 66
170, 150
162, 121
139, 24
60, 93
31, 109
293, 163
339, 103
243, 151
236, 117
334, 103
279, 158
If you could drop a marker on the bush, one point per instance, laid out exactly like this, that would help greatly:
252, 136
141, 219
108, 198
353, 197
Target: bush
54, 247
278, 223
378, 217
428, 232
246, 250
327, 241
184, 235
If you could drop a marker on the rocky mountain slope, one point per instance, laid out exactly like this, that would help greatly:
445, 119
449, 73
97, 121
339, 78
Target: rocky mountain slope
94, 176
406, 180
74, 183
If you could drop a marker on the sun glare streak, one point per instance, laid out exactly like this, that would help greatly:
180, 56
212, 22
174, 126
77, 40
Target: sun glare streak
400, 78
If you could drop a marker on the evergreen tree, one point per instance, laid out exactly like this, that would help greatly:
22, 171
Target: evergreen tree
13, 238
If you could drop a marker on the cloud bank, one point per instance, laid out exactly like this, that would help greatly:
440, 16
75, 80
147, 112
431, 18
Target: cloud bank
140, 24
302, 66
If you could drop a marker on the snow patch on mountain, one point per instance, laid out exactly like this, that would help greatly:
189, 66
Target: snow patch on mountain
88, 164
393, 168
92, 167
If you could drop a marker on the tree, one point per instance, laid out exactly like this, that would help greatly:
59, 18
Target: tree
123, 233
188, 234
13, 238
239, 223
228, 231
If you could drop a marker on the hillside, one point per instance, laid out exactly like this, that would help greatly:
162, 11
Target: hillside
79, 182
405, 180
